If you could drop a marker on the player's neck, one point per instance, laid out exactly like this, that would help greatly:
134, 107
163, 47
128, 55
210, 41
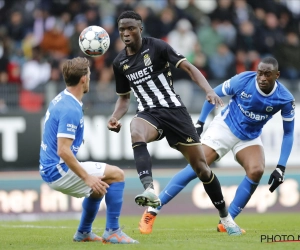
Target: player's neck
134, 49
75, 91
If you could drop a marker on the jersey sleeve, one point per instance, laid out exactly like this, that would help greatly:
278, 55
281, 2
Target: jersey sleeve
169, 54
231, 86
288, 111
122, 83
68, 123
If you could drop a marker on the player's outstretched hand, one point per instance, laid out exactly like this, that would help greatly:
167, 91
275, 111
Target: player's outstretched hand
277, 177
214, 99
96, 183
114, 125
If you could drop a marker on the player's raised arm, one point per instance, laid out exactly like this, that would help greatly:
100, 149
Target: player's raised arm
200, 80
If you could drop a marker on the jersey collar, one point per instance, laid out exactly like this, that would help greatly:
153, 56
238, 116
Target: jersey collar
264, 94
68, 93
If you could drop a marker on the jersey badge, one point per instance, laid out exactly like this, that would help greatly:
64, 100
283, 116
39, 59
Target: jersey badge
269, 109
147, 60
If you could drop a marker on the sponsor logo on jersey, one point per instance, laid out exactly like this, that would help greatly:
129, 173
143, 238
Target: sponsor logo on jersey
141, 75
269, 109
144, 51
244, 95
252, 115
125, 67
71, 128
124, 61
147, 60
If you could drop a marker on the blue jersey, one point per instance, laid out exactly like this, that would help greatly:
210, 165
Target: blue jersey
249, 108
64, 118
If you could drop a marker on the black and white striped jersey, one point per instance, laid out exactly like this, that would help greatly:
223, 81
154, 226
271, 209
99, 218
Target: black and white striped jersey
148, 75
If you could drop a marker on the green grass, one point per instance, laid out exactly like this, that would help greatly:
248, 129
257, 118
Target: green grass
170, 232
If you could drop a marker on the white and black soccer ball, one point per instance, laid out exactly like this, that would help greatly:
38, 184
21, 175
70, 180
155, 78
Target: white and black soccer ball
94, 41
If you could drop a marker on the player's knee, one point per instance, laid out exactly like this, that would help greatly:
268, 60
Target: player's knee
114, 174
201, 168
255, 173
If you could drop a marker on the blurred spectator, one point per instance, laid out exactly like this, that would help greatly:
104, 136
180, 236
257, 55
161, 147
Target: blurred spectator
168, 20
80, 24
223, 11
246, 61
228, 33
55, 43
151, 25
35, 72
288, 56
68, 26
16, 27
195, 15
209, 37
270, 35
221, 64
182, 38
247, 38
242, 12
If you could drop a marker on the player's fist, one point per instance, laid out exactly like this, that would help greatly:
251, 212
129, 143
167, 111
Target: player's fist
276, 178
199, 127
114, 125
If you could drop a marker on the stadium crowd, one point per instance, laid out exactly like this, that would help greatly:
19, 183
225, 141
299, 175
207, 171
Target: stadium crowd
220, 37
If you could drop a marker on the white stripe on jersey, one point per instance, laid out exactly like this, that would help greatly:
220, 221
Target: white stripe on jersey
167, 87
288, 119
159, 95
146, 97
64, 135
140, 106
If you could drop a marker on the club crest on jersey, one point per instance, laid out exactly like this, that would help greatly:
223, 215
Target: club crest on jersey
147, 60
125, 67
269, 109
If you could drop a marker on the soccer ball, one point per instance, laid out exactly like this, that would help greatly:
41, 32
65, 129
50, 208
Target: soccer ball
94, 41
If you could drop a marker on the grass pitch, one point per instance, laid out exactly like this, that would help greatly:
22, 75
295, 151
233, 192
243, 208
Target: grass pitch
170, 232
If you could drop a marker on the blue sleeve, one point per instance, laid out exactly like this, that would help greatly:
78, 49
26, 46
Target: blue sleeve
207, 107
287, 142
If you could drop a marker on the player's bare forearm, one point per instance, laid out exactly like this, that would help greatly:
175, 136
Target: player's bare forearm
121, 107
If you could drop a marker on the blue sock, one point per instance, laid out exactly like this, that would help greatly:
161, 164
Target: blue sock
176, 184
114, 201
242, 196
90, 209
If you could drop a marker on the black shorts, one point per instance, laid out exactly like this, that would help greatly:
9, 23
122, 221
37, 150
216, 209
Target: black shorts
175, 124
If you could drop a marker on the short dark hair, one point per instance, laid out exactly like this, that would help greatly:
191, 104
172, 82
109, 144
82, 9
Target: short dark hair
130, 14
74, 69
270, 60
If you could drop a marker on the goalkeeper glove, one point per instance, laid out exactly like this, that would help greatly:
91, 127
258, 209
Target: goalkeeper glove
199, 127
277, 177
